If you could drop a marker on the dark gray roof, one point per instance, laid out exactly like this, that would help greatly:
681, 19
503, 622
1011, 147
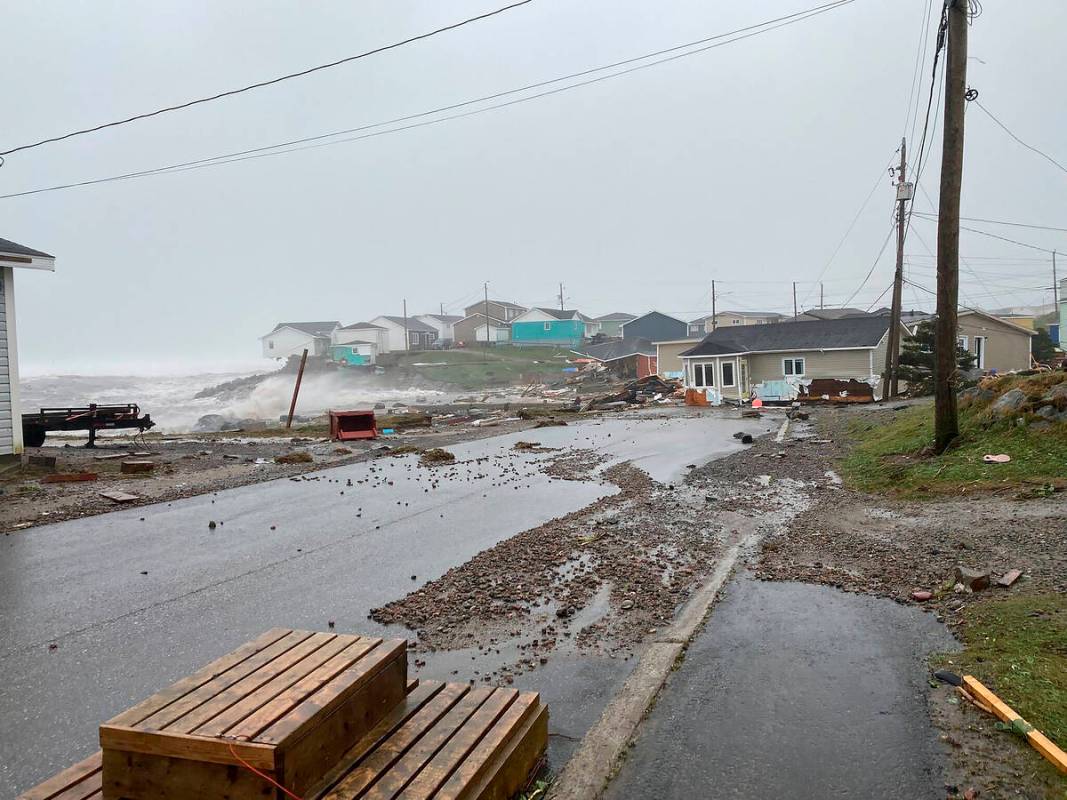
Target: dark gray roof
412, 323
616, 315
822, 334
16, 249
447, 318
356, 325
833, 313
314, 328
558, 313
620, 348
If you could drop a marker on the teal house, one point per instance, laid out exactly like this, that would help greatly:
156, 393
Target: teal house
353, 354
551, 327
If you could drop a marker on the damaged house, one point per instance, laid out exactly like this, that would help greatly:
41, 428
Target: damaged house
624, 358
779, 360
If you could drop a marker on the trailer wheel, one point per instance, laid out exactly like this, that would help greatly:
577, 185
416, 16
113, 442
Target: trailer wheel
33, 435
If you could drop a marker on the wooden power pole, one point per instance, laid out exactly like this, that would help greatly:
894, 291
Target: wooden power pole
892, 350
714, 324
946, 415
407, 338
296, 389
794, 299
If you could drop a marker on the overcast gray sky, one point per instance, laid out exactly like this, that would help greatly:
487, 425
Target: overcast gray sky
745, 164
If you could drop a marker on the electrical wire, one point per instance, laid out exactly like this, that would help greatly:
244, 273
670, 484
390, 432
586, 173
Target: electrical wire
1008, 131
855, 219
276, 149
875, 264
269, 82
933, 215
995, 236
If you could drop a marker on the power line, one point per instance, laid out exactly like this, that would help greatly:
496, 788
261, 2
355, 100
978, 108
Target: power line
855, 219
270, 82
274, 149
1007, 130
875, 264
995, 236
997, 222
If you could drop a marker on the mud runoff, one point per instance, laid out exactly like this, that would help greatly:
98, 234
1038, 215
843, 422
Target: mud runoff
596, 581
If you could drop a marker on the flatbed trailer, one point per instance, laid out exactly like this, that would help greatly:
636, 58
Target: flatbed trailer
92, 418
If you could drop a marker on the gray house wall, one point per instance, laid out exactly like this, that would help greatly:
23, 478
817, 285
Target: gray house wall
7, 411
656, 327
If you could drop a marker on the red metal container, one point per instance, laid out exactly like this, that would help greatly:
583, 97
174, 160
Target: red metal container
346, 425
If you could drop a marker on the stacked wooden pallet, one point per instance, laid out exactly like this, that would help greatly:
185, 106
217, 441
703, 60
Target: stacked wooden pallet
312, 715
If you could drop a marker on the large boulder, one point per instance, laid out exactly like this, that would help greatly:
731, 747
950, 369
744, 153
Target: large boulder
1057, 394
975, 396
1009, 403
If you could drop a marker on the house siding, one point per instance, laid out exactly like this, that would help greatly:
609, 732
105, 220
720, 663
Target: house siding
10, 438
472, 329
1006, 349
291, 342
610, 327
656, 327
841, 364
669, 357
563, 332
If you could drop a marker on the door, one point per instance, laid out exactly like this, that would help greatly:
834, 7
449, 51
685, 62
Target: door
979, 351
743, 375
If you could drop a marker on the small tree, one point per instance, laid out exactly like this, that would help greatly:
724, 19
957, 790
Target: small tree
917, 359
1042, 346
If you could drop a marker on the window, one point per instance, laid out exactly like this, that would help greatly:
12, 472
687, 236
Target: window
548, 326
964, 343
727, 374
735, 322
270, 345
703, 375
792, 367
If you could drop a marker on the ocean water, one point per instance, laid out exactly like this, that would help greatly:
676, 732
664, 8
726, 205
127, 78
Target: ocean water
171, 401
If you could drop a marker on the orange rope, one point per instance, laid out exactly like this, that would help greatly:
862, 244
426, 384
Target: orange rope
263, 775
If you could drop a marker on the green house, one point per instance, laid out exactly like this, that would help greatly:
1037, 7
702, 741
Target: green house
550, 326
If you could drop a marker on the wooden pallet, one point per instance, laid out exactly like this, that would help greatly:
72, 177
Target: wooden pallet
446, 741
80, 782
288, 704
329, 717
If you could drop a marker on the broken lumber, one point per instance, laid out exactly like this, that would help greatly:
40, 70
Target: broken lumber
119, 497
68, 477
1036, 738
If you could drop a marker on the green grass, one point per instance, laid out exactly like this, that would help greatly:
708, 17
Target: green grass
478, 368
1018, 648
887, 454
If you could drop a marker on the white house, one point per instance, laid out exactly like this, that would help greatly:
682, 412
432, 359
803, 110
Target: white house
13, 256
442, 323
406, 334
362, 332
290, 339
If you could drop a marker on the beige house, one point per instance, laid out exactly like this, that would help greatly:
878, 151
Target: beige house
726, 319
733, 360
996, 343
669, 356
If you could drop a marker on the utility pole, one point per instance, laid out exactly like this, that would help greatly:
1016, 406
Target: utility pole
714, 323
946, 413
1055, 286
794, 299
442, 307
561, 297
486, 314
892, 350
407, 338
820, 296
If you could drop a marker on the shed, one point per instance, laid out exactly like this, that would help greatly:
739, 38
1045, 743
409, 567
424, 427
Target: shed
13, 256
626, 358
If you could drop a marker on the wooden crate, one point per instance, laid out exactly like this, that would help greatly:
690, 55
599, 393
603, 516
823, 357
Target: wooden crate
80, 782
288, 704
445, 742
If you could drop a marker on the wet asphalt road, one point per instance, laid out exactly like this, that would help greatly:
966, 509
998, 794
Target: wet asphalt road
290, 554
795, 692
